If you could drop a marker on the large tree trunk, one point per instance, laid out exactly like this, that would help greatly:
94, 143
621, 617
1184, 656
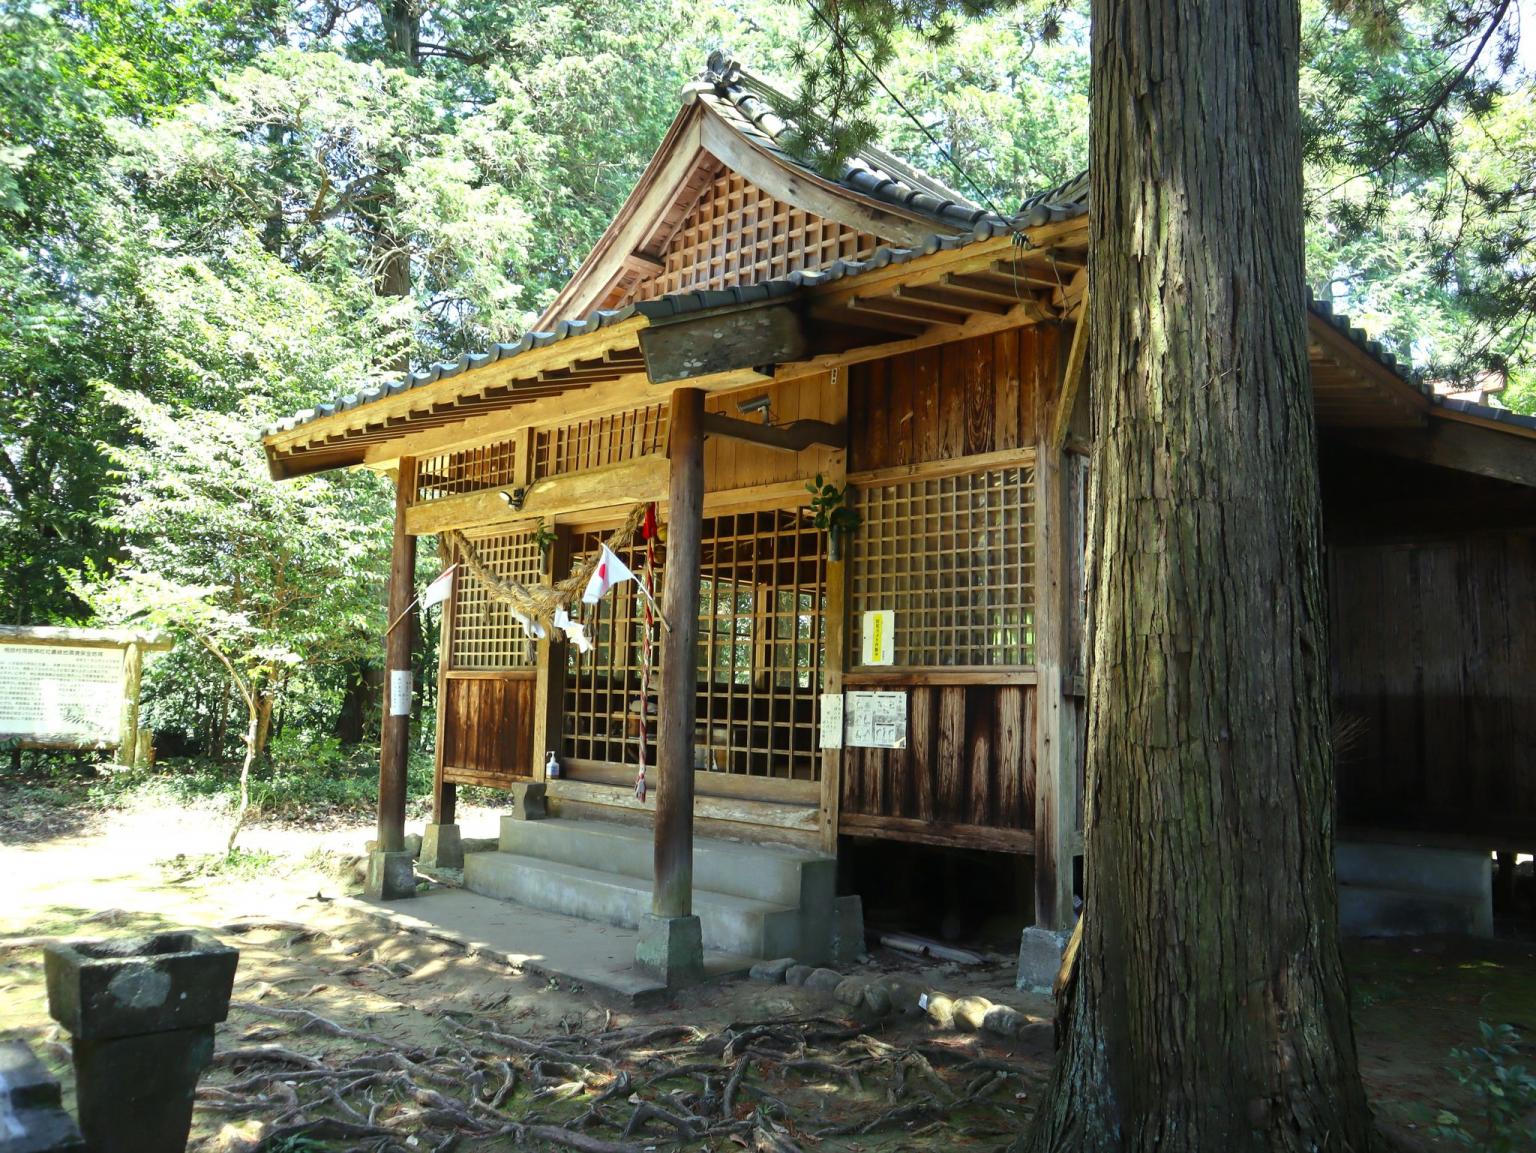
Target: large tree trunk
1208, 1010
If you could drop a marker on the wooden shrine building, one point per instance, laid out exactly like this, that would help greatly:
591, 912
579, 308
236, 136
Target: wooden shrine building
745, 326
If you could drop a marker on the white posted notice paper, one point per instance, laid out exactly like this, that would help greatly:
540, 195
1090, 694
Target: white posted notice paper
879, 637
877, 720
399, 692
831, 720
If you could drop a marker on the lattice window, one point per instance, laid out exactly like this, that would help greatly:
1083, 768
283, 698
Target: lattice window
738, 234
485, 634
604, 440
954, 558
469, 470
761, 604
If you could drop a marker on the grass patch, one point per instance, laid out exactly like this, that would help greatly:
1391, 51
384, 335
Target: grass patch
238, 863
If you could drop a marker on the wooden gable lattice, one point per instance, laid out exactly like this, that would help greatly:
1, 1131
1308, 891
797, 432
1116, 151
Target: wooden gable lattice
736, 233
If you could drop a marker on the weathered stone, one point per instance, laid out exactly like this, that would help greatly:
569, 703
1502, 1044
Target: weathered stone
32, 1120
1039, 958
134, 985
391, 876
940, 1010
970, 1012
877, 998
135, 1094
413, 845
796, 974
824, 980
442, 847
847, 930
904, 994
528, 801
671, 949
850, 991
1003, 1020
142, 1013
772, 970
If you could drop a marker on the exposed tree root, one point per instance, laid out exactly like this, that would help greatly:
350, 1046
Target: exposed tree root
758, 1085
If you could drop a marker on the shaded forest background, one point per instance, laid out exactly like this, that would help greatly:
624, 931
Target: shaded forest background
216, 212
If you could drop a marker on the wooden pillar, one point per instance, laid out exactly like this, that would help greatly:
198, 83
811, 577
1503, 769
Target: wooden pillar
549, 679
445, 794
128, 726
834, 632
394, 740
1055, 730
672, 895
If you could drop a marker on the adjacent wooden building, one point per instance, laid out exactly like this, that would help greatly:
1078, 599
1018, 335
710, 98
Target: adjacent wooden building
884, 334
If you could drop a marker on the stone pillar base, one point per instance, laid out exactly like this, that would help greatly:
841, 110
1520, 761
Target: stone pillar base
391, 876
1040, 953
671, 949
442, 847
528, 801
135, 1093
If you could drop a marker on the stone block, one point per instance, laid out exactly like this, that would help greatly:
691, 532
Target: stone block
772, 971
877, 998
847, 930
412, 843
1003, 1020
136, 985
940, 1009
23, 1079
32, 1120
671, 949
824, 980
1040, 953
391, 876
970, 1012
850, 991
529, 801
442, 847
796, 974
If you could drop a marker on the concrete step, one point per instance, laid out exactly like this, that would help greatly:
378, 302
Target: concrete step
1377, 911
730, 923
775, 874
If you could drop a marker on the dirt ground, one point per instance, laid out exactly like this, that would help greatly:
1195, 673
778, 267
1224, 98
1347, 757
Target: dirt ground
348, 1035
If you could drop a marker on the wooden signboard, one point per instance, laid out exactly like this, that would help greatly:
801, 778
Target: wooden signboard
72, 688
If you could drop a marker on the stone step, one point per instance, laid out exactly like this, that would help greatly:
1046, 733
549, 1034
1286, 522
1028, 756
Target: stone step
778, 875
729, 922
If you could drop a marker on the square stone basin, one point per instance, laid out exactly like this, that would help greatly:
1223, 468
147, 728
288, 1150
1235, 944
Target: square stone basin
128, 986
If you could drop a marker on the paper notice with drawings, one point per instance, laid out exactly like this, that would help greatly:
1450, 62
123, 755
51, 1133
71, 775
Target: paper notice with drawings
877, 720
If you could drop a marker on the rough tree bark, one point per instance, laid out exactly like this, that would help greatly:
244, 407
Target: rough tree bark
1208, 1010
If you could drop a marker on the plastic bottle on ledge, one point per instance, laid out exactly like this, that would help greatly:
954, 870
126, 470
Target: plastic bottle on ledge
552, 767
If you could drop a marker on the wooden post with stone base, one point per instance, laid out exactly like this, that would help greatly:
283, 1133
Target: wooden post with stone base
671, 942
391, 874
1043, 943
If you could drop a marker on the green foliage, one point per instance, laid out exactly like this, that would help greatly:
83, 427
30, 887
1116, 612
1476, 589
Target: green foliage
1505, 1092
830, 508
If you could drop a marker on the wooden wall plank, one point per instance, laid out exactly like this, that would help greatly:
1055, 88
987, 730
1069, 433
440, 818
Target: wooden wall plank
1010, 758
949, 801
922, 741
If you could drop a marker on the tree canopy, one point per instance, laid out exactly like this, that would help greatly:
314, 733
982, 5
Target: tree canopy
215, 212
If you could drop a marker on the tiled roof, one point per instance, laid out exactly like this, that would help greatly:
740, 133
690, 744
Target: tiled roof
746, 103
676, 304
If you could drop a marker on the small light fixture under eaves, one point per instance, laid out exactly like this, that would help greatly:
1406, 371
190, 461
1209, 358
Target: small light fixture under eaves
757, 404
